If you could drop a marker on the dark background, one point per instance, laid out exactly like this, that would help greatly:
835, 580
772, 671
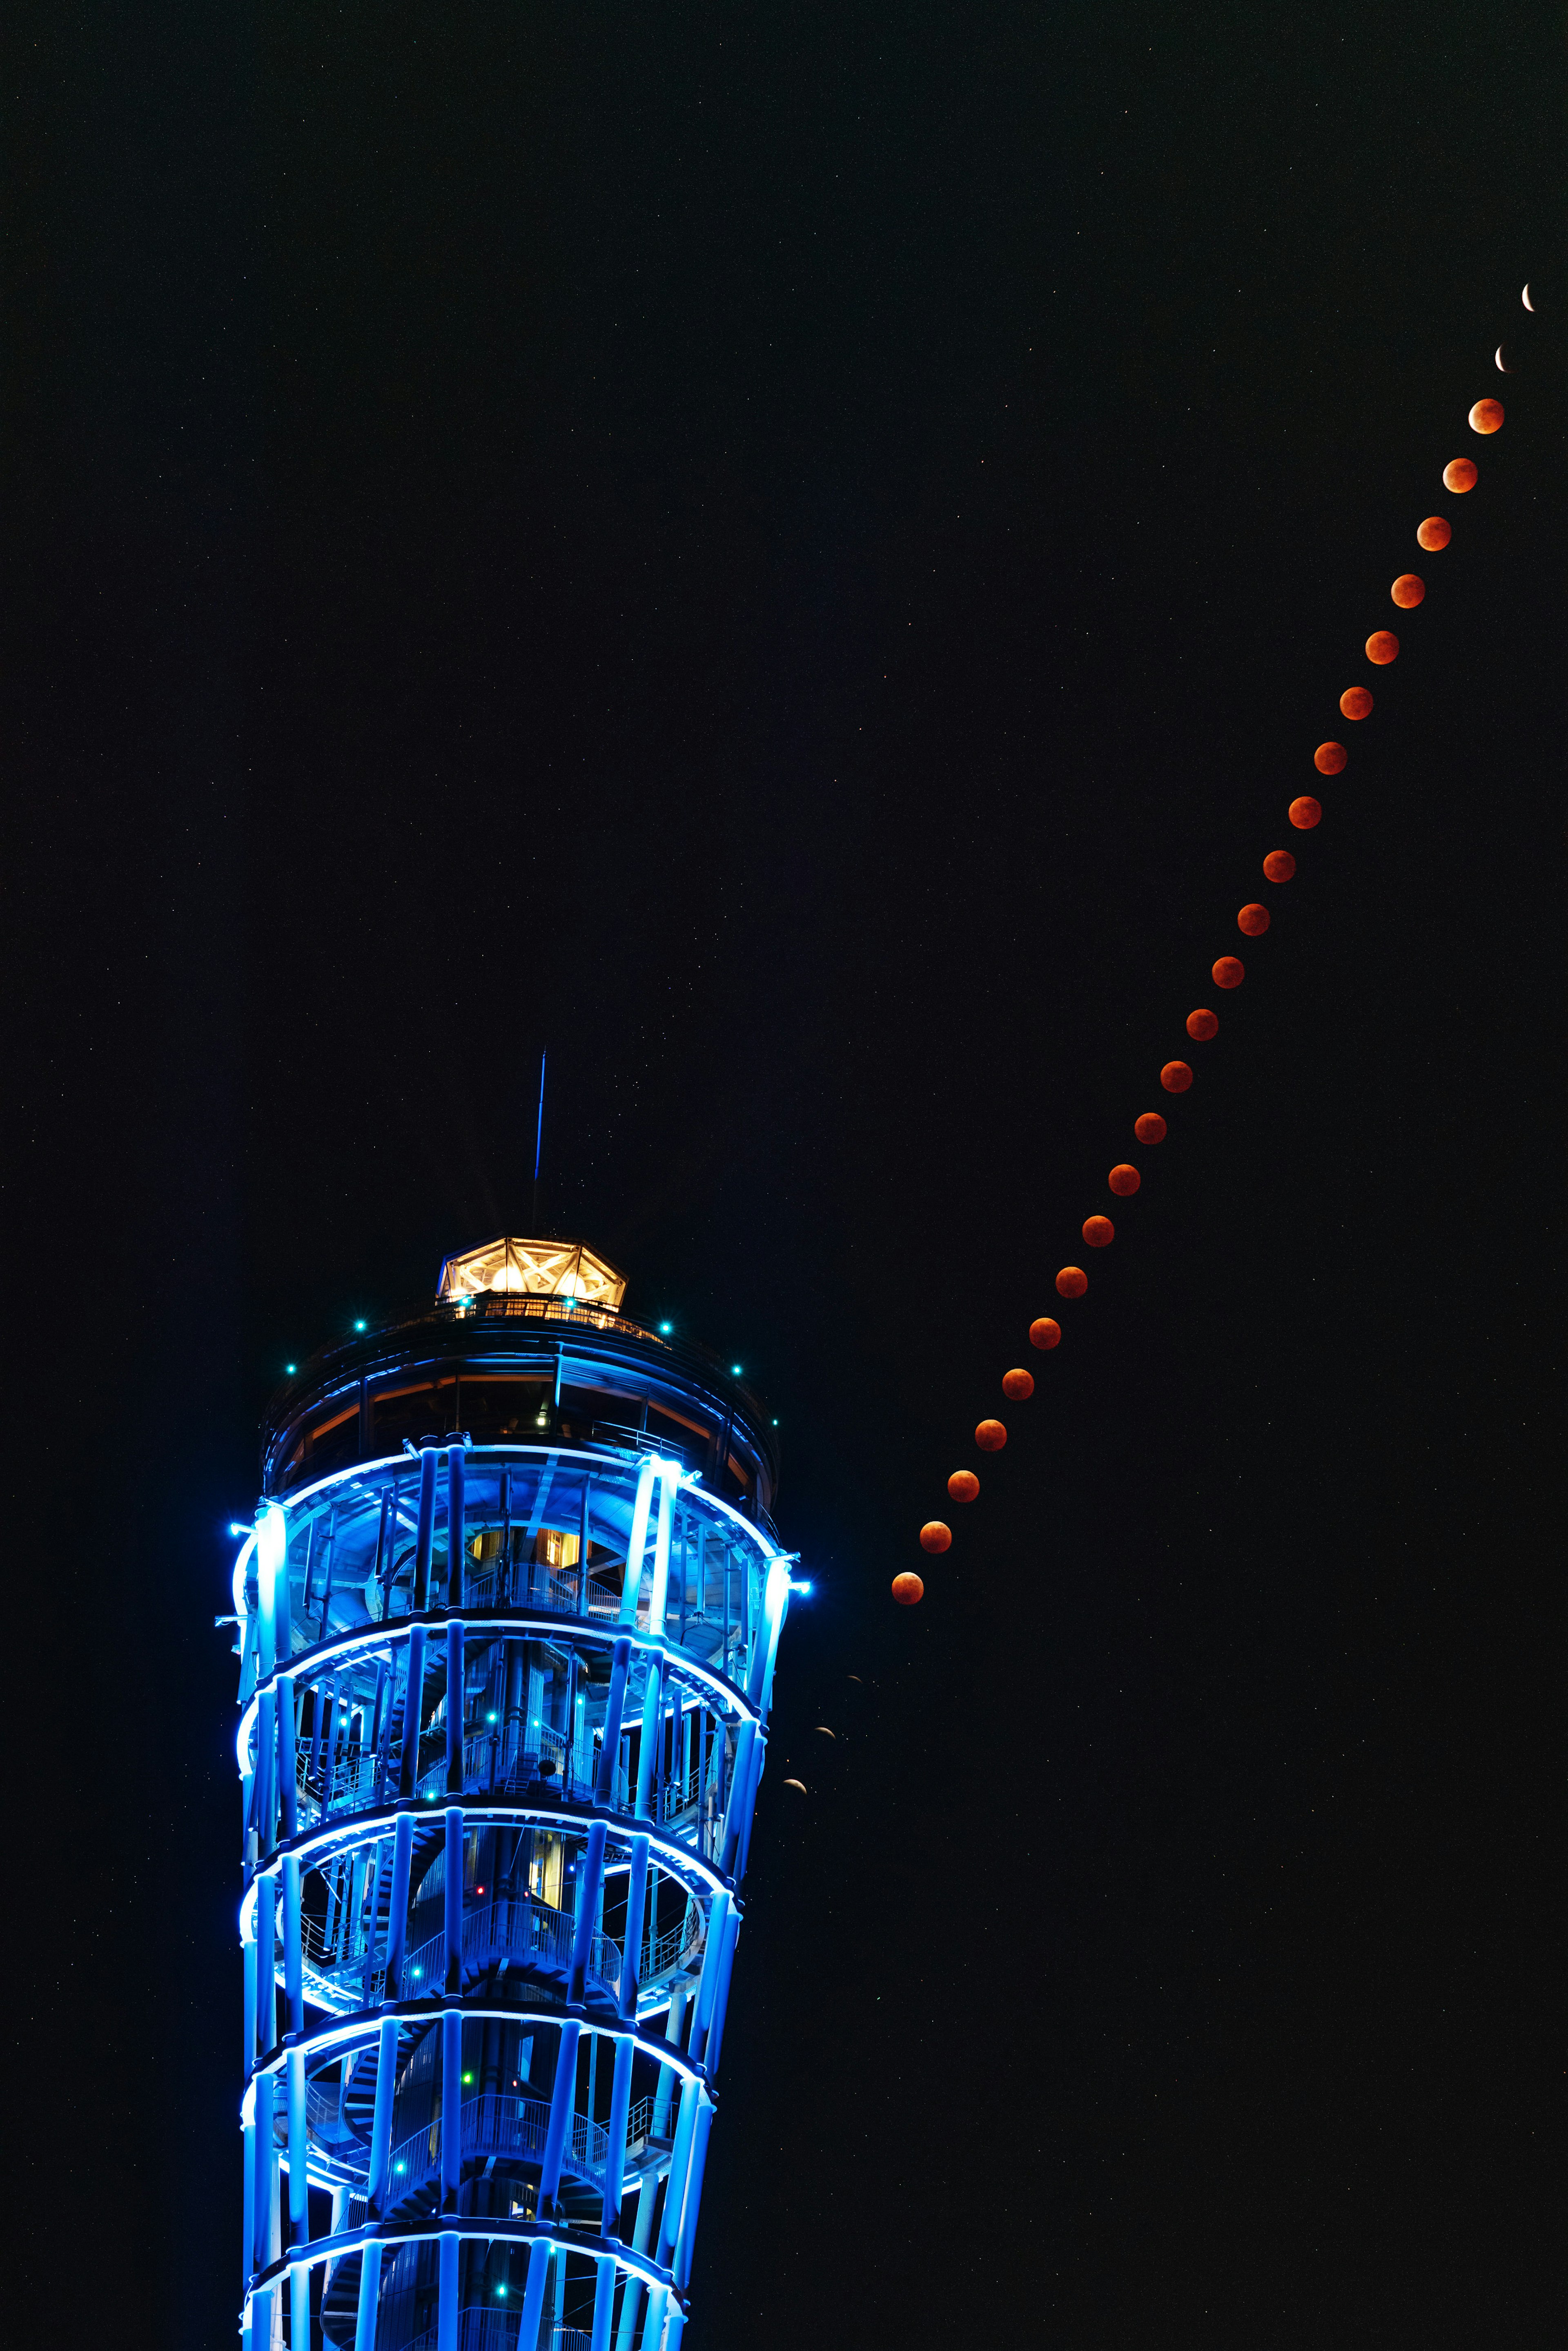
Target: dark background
796, 557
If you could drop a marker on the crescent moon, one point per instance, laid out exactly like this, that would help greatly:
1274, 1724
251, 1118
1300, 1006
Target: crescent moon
1528, 303
1504, 370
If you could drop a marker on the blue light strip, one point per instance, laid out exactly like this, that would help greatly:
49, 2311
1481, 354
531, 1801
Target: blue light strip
334, 2040
487, 2227
339, 1837
363, 1471
392, 1634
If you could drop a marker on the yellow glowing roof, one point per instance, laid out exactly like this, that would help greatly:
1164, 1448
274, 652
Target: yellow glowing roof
548, 1269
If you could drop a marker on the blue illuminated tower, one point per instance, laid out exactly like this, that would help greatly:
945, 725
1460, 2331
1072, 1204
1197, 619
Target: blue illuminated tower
507, 1623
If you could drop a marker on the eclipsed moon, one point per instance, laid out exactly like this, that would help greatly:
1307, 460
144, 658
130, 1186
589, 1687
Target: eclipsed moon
1503, 367
1528, 303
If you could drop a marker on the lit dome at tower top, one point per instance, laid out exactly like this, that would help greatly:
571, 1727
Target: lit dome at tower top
547, 1268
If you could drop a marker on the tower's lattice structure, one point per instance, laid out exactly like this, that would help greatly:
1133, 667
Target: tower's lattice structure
507, 1623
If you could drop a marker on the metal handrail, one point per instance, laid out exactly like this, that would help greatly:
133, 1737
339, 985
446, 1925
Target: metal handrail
326, 2121
529, 1306
350, 1787
358, 1781
504, 2123
674, 1946
516, 1927
484, 1753
415, 2157
520, 1930
533, 1306
533, 1583
490, 2326
343, 1947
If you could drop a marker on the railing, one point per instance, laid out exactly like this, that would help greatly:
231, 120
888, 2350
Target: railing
501, 2124
672, 1799
324, 2117
355, 1780
513, 1584
486, 1771
518, 1583
493, 2326
337, 1941
673, 1948
676, 1795
417, 2157
520, 1930
486, 1767
685, 1355
532, 1306
347, 1786
531, 1583
489, 1770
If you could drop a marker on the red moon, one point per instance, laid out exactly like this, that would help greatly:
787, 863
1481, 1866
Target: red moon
1228, 972
963, 1486
1072, 1281
1305, 812
1355, 702
1408, 591
1329, 758
1124, 1181
1018, 1385
1202, 1025
1433, 533
1150, 1127
990, 1437
907, 1589
1381, 647
1486, 416
1460, 473
1253, 921
1045, 1330
1099, 1231
1175, 1077
1279, 865
935, 1536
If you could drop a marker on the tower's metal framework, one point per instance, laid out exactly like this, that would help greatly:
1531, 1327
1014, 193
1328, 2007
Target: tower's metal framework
508, 1621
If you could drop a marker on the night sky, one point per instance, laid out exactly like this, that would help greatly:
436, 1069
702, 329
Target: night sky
794, 558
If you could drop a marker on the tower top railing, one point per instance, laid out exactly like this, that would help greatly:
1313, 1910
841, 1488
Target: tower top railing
561, 1314
590, 1355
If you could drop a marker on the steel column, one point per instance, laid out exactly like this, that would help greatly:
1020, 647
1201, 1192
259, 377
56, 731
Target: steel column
632, 1946
589, 1883
425, 1535
369, 2292
447, 2314
376, 2182
632, 1580
615, 2133
653, 1731
456, 1518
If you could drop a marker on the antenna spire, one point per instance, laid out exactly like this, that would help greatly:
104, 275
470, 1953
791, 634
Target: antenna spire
538, 1141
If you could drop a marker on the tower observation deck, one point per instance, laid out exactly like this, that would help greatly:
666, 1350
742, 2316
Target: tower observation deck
508, 1624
